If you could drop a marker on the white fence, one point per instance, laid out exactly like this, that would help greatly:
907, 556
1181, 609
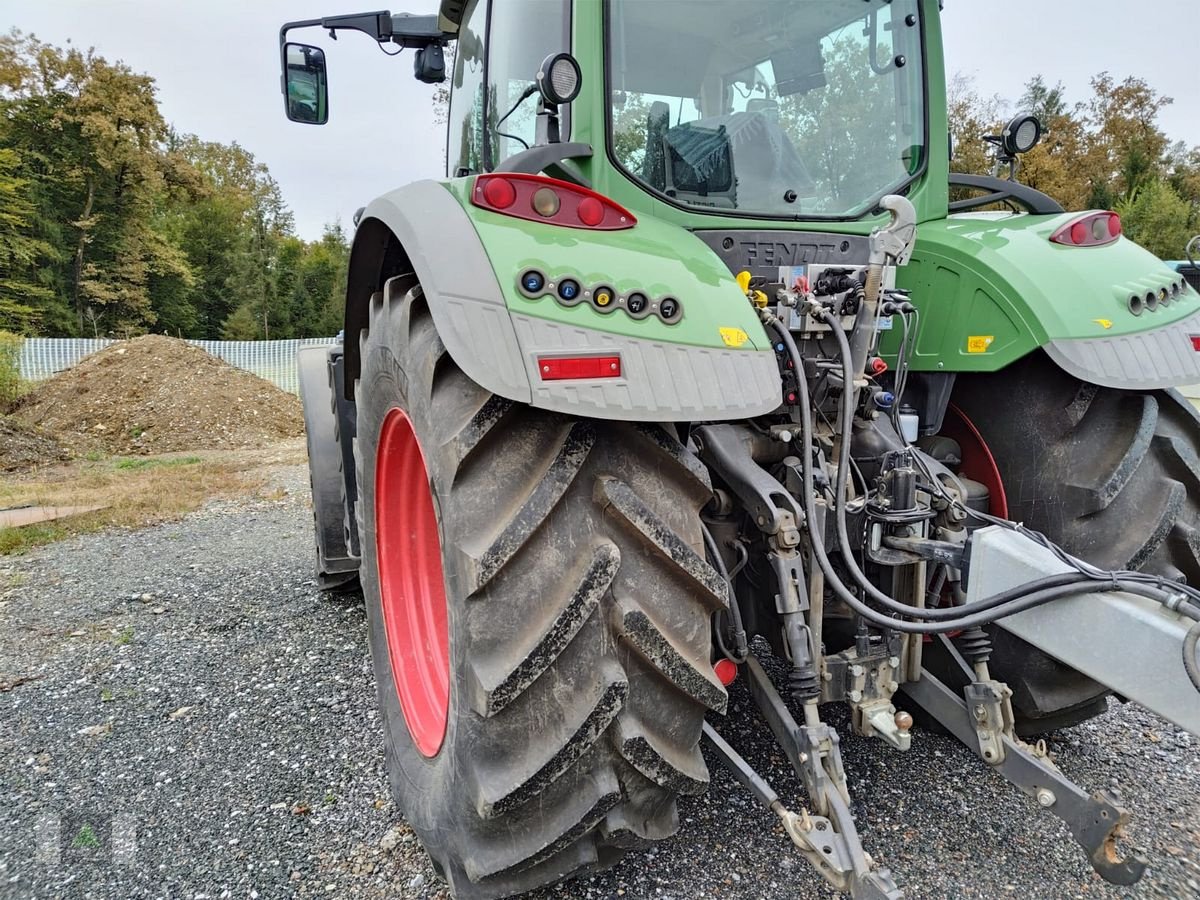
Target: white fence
273, 360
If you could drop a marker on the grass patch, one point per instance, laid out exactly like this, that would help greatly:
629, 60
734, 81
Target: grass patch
86, 839
135, 491
146, 462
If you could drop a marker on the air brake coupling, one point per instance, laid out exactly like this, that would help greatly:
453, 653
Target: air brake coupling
891, 244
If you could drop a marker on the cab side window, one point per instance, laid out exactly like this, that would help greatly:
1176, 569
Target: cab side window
523, 33
465, 136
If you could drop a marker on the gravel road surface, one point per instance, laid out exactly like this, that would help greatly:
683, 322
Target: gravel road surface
199, 722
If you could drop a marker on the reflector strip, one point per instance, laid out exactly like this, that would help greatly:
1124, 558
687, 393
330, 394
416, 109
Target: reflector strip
1196, 342
566, 368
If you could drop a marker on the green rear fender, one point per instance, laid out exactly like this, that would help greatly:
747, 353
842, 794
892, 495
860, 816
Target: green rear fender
992, 288
714, 362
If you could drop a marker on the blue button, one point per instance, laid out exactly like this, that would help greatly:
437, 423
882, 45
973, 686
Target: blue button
568, 289
533, 282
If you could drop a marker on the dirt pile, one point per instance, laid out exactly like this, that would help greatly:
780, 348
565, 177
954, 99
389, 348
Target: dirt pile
23, 447
156, 394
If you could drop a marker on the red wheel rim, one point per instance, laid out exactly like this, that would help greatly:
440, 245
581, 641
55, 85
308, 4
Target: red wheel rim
412, 590
977, 460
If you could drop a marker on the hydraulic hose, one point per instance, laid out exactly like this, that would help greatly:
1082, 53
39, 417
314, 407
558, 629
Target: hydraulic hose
1190, 664
980, 613
735, 613
950, 615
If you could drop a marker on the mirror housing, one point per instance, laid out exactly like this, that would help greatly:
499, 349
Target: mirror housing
305, 84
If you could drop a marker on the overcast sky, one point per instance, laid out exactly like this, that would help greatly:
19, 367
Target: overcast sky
217, 67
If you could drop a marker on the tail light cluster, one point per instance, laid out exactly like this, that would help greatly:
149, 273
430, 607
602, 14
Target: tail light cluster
1092, 230
537, 198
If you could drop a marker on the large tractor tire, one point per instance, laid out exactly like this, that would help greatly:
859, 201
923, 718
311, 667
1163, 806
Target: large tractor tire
1111, 476
539, 616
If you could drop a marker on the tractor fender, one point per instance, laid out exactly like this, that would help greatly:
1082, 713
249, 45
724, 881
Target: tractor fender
994, 288
329, 464
423, 229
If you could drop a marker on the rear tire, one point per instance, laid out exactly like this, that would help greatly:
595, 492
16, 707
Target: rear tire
1111, 476
579, 612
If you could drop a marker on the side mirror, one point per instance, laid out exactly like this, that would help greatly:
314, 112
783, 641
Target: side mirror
305, 85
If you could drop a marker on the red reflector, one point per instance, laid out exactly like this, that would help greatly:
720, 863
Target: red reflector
726, 671
1196, 342
565, 368
500, 193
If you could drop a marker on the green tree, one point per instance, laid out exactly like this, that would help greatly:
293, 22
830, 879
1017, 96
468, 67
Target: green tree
1157, 218
20, 254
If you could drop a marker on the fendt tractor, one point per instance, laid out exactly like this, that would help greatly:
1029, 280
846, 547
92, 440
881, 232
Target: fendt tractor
700, 364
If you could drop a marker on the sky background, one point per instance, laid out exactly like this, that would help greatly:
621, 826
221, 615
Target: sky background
217, 67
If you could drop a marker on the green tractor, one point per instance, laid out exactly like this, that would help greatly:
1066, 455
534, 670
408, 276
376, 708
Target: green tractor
694, 361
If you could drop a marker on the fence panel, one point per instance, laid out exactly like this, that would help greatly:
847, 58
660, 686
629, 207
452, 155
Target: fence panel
275, 361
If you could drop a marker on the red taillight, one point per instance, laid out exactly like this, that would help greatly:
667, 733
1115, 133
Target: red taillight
1196, 342
569, 368
541, 199
499, 193
1092, 230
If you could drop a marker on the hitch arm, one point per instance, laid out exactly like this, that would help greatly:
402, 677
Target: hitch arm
814, 754
1096, 821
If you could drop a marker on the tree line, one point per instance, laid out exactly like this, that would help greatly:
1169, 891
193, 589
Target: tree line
112, 223
1107, 151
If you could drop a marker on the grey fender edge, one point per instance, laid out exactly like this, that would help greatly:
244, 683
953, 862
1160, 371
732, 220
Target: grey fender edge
1165, 357
457, 278
659, 381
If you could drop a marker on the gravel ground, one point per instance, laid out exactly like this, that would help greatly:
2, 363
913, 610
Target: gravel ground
199, 722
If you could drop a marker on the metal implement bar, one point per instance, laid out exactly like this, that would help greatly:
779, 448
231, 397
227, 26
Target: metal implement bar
814, 754
1095, 821
1128, 643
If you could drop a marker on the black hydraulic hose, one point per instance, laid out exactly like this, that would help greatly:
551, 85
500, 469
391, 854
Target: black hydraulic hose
952, 614
1025, 597
735, 612
1190, 663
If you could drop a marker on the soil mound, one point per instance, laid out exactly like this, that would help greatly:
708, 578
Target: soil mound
24, 447
156, 394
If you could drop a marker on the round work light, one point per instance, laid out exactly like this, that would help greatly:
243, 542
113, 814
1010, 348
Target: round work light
1022, 134
559, 78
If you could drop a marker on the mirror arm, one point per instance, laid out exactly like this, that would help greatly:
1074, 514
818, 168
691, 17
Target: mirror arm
407, 30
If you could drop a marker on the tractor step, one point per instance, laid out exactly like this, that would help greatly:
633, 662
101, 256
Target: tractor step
1130, 644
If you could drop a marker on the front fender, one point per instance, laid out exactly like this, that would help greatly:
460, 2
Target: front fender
715, 364
992, 288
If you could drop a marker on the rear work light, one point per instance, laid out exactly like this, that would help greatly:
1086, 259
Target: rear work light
573, 368
537, 198
1092, 230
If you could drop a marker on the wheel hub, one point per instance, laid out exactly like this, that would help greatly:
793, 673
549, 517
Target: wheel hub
412, 589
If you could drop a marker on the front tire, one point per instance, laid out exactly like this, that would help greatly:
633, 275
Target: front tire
577, 610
